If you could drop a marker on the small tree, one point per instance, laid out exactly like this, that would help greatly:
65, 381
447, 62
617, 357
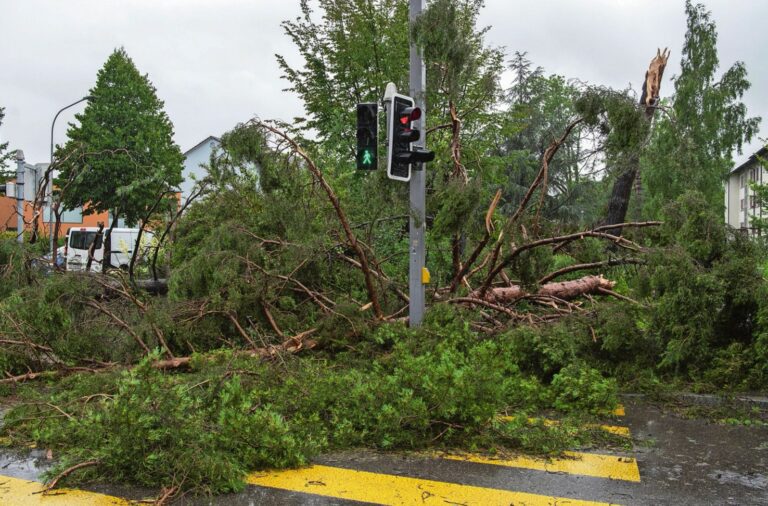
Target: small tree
132, 157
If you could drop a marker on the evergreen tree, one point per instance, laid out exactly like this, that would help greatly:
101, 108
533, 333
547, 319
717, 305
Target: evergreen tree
692, 149
128, 138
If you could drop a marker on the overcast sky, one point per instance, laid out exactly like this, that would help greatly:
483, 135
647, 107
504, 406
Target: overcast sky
213, 63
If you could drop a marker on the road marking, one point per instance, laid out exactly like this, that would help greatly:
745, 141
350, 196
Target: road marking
394, 490
613, 467
16, 492
613, 429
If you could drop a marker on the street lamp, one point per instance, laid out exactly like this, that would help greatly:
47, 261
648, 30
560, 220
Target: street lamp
50, 179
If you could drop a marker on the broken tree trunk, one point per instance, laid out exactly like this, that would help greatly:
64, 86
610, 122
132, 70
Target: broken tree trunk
564, 290
622, 187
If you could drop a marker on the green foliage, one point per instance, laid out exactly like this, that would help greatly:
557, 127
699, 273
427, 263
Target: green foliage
544, 351
15, 270
131, 157
348, 57
231, 414
705, 287
5, 174
53, 313
692, 149
183, 435
580, 387
692, 224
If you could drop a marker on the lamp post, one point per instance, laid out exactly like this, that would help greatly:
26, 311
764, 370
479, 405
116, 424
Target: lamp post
20, 195
50, 180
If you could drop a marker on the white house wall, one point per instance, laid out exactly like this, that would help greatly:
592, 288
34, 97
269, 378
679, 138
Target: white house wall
194, 160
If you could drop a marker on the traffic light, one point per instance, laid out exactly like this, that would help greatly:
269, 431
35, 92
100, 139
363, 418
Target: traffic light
401, 157
367, 136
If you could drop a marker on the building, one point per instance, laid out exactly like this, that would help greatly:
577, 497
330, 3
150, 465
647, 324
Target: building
32, 176
740, 203
195, 161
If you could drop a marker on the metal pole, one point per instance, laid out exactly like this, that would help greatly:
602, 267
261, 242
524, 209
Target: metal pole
20, 195
50, 180
417, 184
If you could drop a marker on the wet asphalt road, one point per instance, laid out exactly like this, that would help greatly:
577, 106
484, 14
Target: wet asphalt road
680, 462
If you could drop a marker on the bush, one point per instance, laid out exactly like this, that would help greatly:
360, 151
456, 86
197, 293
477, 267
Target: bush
439, 384
578, 387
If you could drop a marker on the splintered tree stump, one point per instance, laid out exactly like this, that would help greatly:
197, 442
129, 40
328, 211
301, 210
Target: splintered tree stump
565, 290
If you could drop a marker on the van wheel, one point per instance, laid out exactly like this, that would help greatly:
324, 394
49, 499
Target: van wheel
124, 267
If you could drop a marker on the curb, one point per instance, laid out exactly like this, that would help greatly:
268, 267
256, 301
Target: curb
710, 399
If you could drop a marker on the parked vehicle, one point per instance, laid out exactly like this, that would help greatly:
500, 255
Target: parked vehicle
79, 241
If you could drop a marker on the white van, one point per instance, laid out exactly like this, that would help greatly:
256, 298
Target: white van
79, 240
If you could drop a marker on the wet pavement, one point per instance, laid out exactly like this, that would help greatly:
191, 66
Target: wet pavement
695, 462
674, 461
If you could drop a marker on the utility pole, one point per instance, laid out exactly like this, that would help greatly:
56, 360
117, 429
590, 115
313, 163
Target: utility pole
417, 213
20, 195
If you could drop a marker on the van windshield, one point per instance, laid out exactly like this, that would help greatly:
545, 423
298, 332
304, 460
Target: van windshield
83, 240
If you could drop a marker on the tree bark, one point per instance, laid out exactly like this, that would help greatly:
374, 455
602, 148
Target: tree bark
620, 196
622, 187
565, 290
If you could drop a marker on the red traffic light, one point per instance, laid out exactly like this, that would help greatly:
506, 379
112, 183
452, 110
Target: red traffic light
410, 114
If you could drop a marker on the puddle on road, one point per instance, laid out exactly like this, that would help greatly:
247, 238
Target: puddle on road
23, 464
27, 465
752, 480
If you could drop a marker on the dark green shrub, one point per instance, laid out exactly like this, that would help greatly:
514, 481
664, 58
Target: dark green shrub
579, 387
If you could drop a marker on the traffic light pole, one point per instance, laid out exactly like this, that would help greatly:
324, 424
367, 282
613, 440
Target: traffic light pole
417, 184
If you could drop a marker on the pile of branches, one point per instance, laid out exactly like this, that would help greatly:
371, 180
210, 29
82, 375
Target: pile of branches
492, 256
245, 312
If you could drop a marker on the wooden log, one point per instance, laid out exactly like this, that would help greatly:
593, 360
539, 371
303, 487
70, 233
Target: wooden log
565, 290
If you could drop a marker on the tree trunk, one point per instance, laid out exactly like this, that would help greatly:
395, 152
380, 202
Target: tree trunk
92, 248
622, 187
562, 290
620, 196
106, 262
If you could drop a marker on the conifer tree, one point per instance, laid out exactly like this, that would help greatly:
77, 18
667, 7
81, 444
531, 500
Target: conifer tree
128, 138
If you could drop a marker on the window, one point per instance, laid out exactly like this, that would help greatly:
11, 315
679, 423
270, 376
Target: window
73, 216
79, 239
742, 203
752, 202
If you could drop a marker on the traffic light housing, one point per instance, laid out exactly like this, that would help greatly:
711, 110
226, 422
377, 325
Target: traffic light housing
367, 136
401, 155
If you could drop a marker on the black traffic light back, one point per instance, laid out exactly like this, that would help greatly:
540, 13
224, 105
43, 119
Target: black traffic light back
402, 114
367, 136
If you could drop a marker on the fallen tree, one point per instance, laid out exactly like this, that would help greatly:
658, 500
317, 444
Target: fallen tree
565, 290
299, 259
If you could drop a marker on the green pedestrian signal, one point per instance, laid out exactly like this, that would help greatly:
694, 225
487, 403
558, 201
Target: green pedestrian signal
367, 136
367, 158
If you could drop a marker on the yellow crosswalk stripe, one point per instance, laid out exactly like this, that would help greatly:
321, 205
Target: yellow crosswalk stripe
613, 429
613, 467
17, 492
394, 490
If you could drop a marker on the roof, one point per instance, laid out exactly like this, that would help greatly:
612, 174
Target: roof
209, 138
762, 153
